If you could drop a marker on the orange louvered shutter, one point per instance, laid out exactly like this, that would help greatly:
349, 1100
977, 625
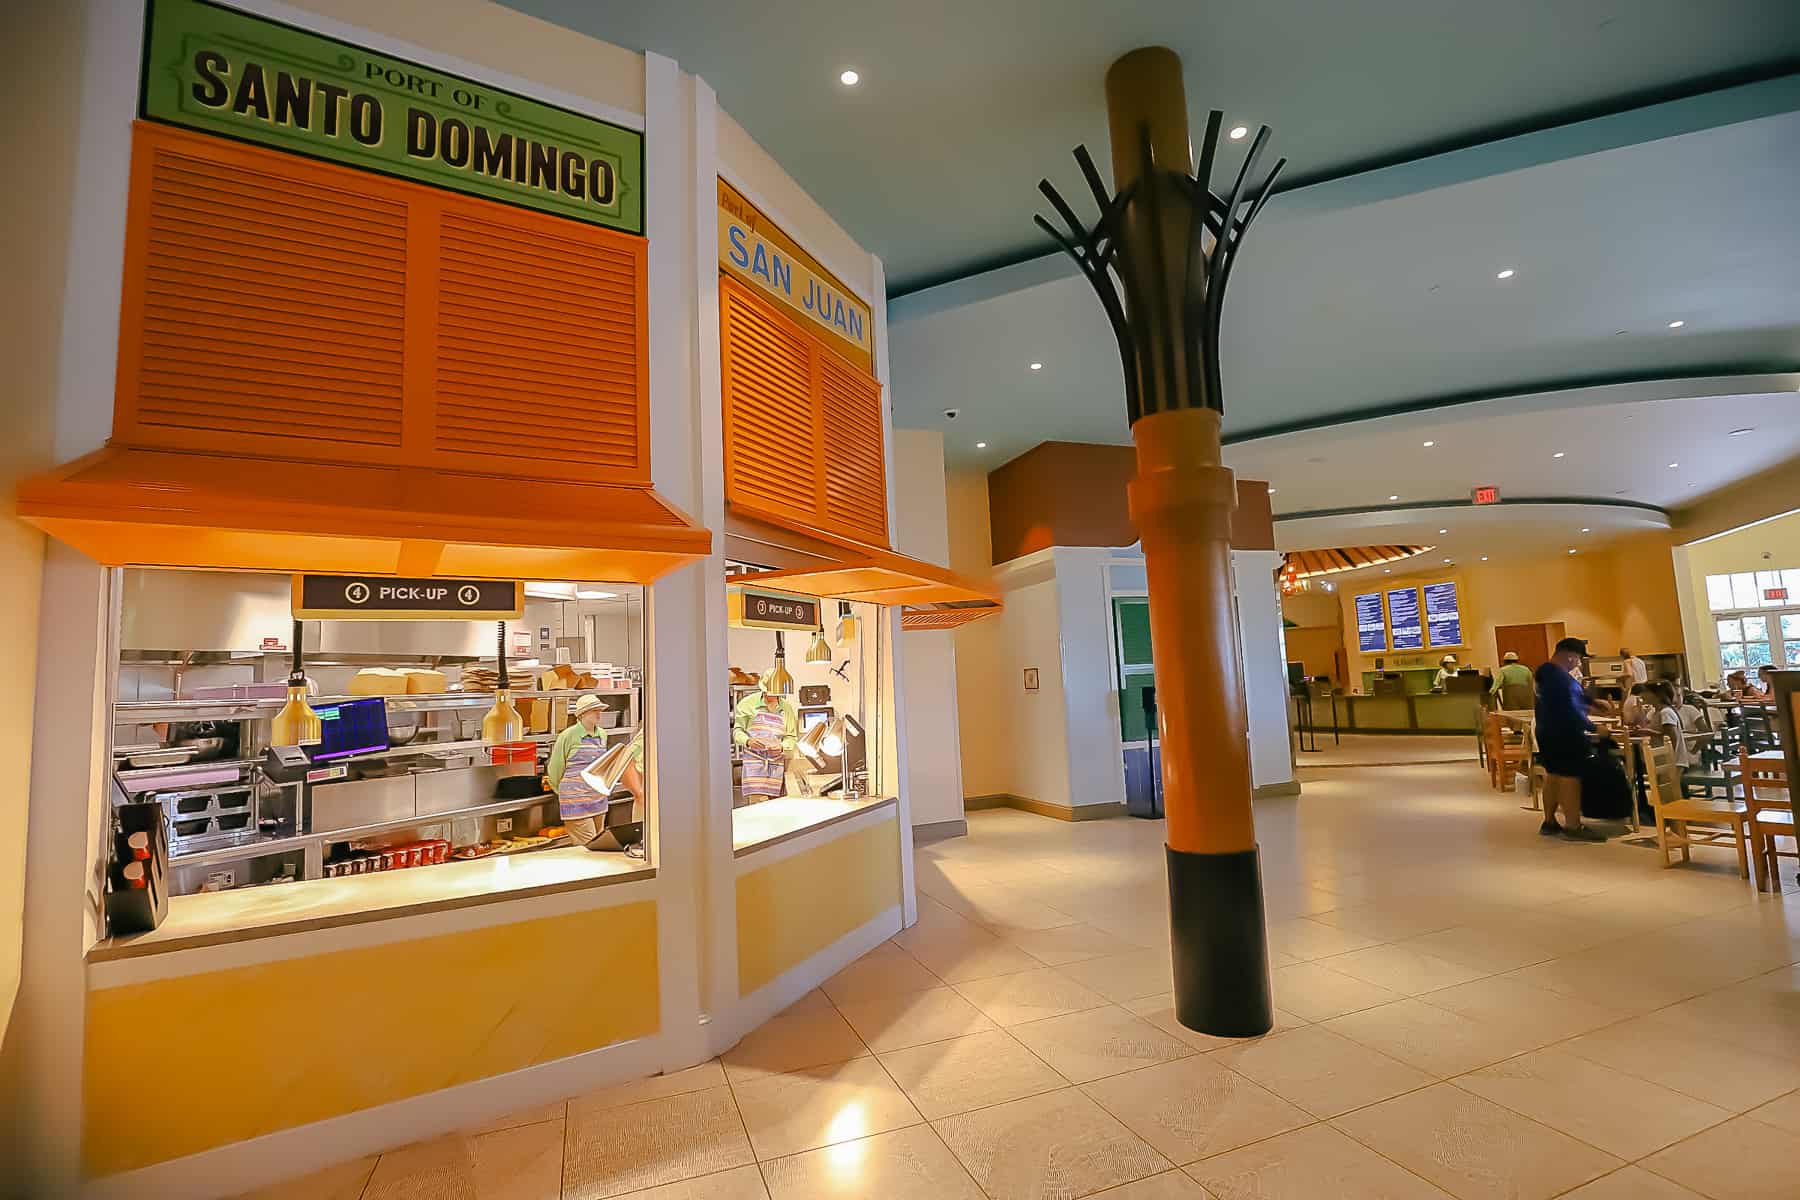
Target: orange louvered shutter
286, 308
803, 431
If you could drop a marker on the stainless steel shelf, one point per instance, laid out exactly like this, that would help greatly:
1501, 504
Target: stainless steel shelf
152, 711
258, 845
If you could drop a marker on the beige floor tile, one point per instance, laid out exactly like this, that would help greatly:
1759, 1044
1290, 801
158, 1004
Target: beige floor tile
1170, 1185
345, 1181
1388, 923
1002, 908
1689, 1059
613, 1151
739, 1183
787, 1043
1783, 1113
821, 1106
1434, 1040
697, 1078
907, 1164
1121, 977
1091, 1045
1631, 1183
1322, 1072
1743, 1159
1316, 993
1194, 1108
945, 1078
959, 957
1619, 1113
1306, 939
1028, 996
1538, 1015
914, 1018
1069, 943
512, 1164
1473, 1148
1051, 1147
1488, 950
813, 1001
1402, 969
1316, 1163
553, 1111
1625, 986
884, 971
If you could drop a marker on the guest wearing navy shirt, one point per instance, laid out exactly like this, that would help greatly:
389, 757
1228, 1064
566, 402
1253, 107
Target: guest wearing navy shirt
1562, 737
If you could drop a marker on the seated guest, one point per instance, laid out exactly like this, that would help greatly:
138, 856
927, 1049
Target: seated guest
1739, 687
1693, 720
1765, 681
1666, 723
1640, 706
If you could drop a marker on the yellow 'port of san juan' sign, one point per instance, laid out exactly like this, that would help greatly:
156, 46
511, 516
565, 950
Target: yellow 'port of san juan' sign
760, 253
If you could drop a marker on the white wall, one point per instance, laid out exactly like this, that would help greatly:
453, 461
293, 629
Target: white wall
927, 658
1265, 674
1096, 764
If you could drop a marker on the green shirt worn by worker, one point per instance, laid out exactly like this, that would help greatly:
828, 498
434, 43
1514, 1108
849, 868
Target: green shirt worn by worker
1512, 672
568, 739
750, 705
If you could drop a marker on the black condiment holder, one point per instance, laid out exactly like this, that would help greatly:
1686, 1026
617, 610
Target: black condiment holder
137, 909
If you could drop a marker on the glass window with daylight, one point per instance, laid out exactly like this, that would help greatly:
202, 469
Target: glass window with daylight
1756, 615
805, 697
270, 769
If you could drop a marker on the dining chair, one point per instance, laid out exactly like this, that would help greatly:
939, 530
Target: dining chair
1682, 823
1506, 757
1771, 815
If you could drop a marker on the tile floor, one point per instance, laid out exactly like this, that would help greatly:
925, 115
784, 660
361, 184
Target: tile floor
1465, 1010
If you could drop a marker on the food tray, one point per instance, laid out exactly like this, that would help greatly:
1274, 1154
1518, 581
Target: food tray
481, 851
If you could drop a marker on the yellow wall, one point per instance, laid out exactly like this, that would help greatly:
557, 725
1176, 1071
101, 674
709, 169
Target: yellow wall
1315, 636
177, 1066
1621, 594
982, 670
790, 910
1741, 550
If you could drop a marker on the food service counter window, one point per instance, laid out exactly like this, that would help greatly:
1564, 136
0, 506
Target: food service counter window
271, 773
807, 711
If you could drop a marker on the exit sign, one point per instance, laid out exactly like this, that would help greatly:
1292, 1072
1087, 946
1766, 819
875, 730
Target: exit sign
1775, 593
1485, 495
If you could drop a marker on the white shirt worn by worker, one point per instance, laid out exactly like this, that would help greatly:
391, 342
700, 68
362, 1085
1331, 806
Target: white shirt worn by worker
1634, 666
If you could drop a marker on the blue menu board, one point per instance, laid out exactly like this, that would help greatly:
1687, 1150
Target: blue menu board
1371, 630
1403, 619
1443, 624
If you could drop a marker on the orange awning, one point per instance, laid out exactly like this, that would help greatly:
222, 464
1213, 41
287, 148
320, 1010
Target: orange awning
930, 596
157, 508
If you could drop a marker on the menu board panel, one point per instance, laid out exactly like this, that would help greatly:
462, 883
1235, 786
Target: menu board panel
1403, 619
1371, 629
1443, 623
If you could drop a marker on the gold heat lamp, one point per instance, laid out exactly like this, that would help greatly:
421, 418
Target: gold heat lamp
296, 724
825, 740
847, 623
778, 682
820, 650
501, 724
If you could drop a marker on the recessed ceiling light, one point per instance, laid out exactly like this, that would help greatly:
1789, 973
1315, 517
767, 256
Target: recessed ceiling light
1672, 466
1446, 560
1506, 274
1571, 549
981, 445
849, 78
1393, 497
593, 594
1271, 491
1387, 570
1037, 366
1239, 132
1428, 445
1676, 324
1558, 454
1442, 531
1484, 558
1741, 432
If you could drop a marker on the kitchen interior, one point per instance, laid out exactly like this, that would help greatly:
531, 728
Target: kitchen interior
402, 778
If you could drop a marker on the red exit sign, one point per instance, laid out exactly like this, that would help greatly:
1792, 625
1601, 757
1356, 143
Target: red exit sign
1485, 495
1775, 593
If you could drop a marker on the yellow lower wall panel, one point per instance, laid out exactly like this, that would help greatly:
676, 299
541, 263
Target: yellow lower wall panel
790, 910
177, 1066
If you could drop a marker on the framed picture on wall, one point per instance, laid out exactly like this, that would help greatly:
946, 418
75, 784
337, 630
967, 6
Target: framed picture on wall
1031, 679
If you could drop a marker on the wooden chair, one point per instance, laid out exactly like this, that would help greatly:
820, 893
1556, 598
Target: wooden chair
1771, 816
1719, 821
1506, 757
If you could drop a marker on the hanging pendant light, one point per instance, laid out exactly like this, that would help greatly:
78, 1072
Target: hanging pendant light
778, 682
501, 724
847, 623
820, 650
296, 724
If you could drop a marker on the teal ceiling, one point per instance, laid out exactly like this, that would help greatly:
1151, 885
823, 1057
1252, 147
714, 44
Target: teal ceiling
933, 161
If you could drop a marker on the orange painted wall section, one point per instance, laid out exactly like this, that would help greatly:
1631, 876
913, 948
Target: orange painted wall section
1073, 494
285, 308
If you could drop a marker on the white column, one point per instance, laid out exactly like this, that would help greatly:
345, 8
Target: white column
1264, 671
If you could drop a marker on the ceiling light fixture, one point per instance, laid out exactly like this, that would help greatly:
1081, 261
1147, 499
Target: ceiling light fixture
1585, 529
1672, 466
593, 594
1428, 445
1239, 132
1393, 497
1506, 274
981, 445
1741, 432
1676, 324
1446, 560
1037, 366
1271, 491
1484, 558
1571, 549
1558, 454
1443, 531
849, 78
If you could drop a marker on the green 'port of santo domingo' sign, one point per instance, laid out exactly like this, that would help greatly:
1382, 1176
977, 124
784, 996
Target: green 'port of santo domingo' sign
225, 72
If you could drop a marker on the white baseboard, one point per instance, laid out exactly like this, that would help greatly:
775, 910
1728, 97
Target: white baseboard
790, 985
289, 1153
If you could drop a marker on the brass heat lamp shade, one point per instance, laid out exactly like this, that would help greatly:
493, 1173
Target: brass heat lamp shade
847, 623
820, 650
778, 682
605, 772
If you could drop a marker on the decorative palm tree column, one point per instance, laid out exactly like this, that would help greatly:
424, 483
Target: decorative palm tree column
1159, 256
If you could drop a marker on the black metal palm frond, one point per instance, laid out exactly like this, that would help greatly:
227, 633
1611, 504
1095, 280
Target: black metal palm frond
1159, 256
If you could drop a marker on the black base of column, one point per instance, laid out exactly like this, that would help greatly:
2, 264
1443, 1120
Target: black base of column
1220, 944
